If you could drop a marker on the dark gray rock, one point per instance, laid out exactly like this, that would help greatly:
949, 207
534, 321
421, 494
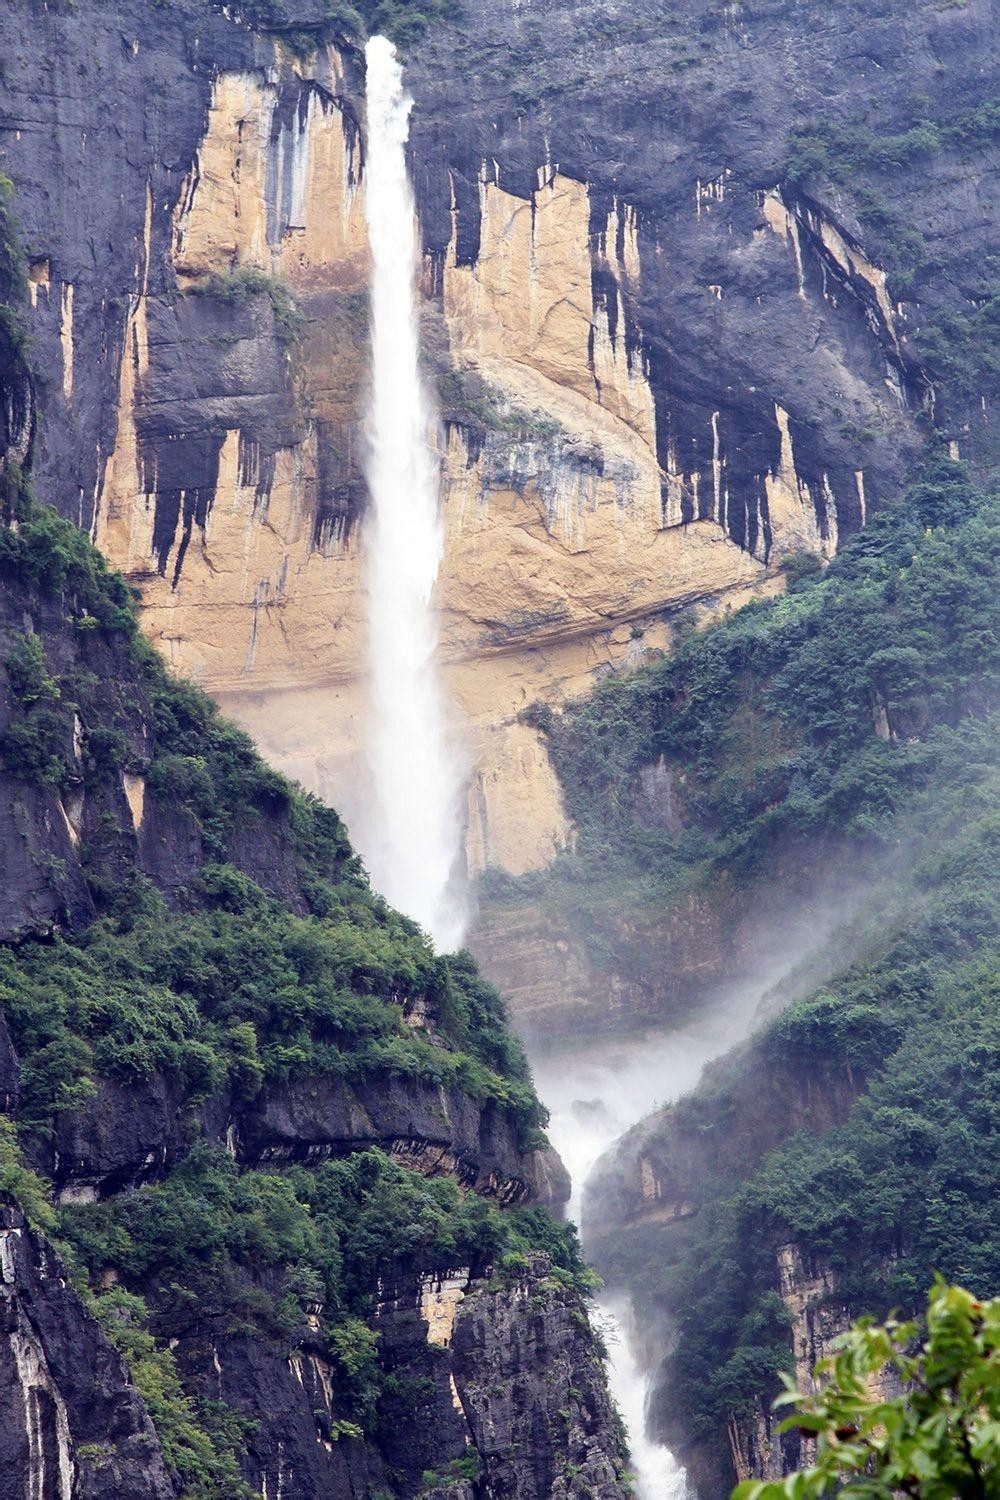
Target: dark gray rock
432, 1129
293, 1447
71, 1421
128, 1134
533, 1390
685, 114
10, 1073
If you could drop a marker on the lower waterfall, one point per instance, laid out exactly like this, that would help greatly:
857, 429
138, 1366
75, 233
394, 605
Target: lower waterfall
595, 1094
410, 834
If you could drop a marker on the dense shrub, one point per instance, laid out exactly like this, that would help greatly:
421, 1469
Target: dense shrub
937, 1437
225, 990
267, 1249
855, 712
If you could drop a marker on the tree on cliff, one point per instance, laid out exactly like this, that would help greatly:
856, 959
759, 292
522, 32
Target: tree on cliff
939, 1439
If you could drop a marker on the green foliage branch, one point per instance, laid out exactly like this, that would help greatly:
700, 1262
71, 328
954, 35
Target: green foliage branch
938, 1439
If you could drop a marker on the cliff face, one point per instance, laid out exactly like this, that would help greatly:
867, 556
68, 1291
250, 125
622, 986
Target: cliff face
72, 1422
586, 955
662, 364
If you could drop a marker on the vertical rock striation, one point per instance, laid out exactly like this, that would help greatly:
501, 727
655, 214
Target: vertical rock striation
72, 1424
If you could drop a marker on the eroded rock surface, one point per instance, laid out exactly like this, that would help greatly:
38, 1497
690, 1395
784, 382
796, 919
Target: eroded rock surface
71, 1421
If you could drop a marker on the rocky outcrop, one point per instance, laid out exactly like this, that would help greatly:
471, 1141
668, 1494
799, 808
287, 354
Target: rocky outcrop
755, 1448
513, 1403
247, 1348
429, 1128
533, 1394
647, 1192
747, 1103
512, 1400
127, 1134
71, 1421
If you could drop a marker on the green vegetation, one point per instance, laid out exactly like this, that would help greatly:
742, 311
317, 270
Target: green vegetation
403, 21
19, 1184
768, 720
225, 990
853, 156
235, 988
465, 395
264, 1250
908, 1183
200, 1439
854, 714
768, 727
467, 1468
239, 286
839, 152
53, 556
329, 1232
961, 351
938, 1440
244, 992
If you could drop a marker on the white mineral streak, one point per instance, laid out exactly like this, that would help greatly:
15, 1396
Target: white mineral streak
410, 835
66, 338
43, 1404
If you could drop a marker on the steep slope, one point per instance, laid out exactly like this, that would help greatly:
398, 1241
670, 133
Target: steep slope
294, 1154
825, 1170
733, 800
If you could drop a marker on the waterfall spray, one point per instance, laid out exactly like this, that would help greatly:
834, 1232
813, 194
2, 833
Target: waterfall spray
411, 839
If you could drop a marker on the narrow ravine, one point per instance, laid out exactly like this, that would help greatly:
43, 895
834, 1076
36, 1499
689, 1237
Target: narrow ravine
596, 1093
410, 833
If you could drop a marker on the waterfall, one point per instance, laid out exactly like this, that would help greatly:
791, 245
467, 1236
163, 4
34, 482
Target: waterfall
410, 836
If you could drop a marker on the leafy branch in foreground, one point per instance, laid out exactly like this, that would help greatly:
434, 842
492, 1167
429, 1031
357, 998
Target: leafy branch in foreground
939, 1439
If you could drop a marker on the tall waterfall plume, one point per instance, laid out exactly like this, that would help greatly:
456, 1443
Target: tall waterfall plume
410, 836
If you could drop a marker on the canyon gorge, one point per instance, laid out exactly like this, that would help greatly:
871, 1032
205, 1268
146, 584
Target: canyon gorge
563, 440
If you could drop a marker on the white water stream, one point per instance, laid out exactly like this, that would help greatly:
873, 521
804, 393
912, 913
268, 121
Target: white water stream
410, 833
596, 1093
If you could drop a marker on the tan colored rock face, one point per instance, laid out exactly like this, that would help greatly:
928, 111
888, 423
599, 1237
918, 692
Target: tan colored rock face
516, 819
528, 300
792, 508
271, 192
561, 556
